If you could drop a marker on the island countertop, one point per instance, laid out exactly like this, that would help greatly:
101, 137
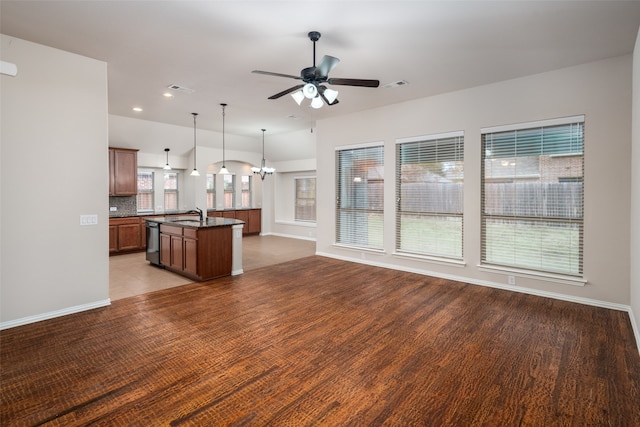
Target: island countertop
194, 222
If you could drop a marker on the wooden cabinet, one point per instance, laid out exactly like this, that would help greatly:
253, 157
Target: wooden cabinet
254, 225
200, 254
113, 238
252, 218
125, 235
123, 172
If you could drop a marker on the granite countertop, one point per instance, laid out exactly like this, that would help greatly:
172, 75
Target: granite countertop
161, 213
194, 222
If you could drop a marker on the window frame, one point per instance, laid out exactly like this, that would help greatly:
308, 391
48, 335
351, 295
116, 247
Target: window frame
211, 191
170, 191
297, 200
231, 192
145, 191
567, 275
348, 216
431, 212
246, 193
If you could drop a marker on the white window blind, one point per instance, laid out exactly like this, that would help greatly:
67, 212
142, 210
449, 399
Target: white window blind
245, 191
429, 195
360, 191
229, 187
211, 191
170, 191
532, 198
305, 199
144, 198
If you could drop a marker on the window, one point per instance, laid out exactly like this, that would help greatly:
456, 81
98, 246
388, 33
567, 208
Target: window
532, 196
211, 191
429, 194
360, 196
144, 199
170, 191
305, 199
229, 191
245, 191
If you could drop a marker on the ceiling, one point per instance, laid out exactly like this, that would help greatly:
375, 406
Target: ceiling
211, 47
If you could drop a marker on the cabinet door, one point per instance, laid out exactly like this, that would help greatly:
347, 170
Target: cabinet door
190, 247
128, 236
177, 253
255, 221
165, 249
113, 238
125, 173
143, 234
243, 216
111, 173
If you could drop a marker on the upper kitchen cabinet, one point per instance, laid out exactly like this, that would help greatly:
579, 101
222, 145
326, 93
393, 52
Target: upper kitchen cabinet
123, 172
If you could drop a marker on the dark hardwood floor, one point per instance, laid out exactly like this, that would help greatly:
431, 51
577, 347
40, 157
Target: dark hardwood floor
319, 341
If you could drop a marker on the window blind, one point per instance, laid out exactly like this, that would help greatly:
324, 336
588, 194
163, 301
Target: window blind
170, 191
144, 198
360, 196
532, 198
305, 199
211, 191
429, 195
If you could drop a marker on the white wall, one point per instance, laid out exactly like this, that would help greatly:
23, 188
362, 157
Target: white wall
601, 91
54, 169
635, 196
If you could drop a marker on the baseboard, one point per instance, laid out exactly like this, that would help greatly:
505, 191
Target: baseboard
634, 325
562, 297
56, 313
289, 236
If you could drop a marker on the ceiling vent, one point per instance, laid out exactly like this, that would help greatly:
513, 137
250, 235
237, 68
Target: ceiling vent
181, 88
396, 84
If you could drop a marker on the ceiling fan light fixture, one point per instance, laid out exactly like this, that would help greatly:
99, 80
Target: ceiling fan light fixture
298, 96
310, 91
317, 102
331, 95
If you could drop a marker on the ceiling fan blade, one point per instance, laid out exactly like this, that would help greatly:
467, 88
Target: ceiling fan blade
354, 82
326, 65
269, 73
284, 92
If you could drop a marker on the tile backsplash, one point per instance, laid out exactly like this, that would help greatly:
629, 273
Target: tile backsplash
126, 205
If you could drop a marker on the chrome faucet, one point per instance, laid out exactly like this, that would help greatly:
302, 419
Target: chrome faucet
198, 211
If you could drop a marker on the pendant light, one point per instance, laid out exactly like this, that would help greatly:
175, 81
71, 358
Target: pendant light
263, 170
223, 170
194, 172
167, 167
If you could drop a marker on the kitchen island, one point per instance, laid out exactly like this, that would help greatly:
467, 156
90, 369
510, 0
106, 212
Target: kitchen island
200, 249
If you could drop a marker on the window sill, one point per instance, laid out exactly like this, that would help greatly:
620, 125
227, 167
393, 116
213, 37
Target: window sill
297, 223
360, 249
548, 277
432, 259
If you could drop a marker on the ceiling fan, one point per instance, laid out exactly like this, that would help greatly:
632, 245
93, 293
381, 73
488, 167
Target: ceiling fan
314, 79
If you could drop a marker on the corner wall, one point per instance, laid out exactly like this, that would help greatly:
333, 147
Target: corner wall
54, 168
599, 90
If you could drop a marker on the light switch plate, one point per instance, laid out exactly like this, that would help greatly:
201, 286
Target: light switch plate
88, 219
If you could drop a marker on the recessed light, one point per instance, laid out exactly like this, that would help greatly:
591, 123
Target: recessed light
167, 95
137, 109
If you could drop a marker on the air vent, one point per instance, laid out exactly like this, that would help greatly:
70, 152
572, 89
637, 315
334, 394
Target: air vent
181, 88
396, 84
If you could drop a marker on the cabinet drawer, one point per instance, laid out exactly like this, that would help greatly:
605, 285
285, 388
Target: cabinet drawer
170, 229
190, 232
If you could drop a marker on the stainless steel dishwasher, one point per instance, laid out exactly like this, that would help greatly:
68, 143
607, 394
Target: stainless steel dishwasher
153, 242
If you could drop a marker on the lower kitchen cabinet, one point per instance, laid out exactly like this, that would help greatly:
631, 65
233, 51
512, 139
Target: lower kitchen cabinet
252, 218
125, 235
200, 254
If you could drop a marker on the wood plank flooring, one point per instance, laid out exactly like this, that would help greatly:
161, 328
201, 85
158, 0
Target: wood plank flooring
319, 341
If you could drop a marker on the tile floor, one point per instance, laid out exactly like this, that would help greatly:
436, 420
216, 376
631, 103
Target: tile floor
131, 274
